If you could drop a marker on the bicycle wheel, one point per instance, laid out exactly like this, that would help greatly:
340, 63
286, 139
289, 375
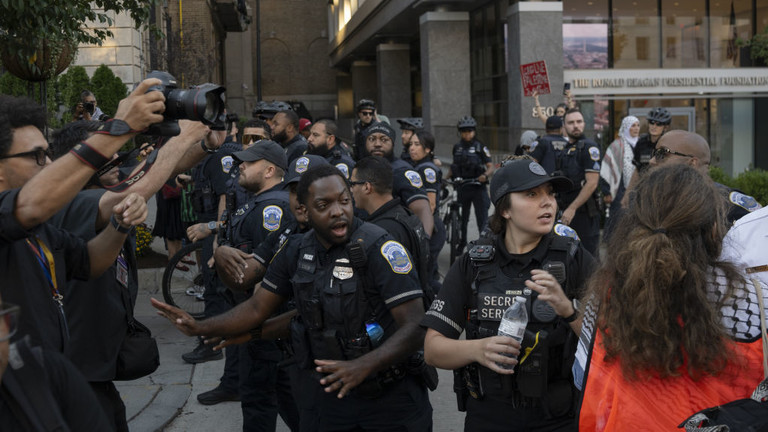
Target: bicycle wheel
455, 234
183, 284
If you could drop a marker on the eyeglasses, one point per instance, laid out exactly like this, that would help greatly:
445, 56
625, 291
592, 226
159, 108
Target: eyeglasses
366, 113
655, 123
384, 139
661, 152
357, 183
39, 154
9, 314
254, 138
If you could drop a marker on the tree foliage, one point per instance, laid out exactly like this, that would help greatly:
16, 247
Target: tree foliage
108, 88
72, 83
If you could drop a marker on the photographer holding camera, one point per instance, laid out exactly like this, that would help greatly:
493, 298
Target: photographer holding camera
87, 108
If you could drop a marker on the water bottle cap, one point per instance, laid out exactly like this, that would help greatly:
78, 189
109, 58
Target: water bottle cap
520, 299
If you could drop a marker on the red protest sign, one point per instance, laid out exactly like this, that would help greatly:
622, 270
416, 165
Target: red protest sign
535, 78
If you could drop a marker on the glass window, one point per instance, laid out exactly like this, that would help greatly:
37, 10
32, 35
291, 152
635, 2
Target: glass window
635, 34
488, 46
687, 33
585, 34
729, 20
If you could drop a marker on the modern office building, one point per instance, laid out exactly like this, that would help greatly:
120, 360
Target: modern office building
445, 59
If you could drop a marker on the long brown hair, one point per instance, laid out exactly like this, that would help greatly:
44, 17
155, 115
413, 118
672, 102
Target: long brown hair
652, 285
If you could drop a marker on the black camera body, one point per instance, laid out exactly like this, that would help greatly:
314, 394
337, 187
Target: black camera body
204, 103
89, 107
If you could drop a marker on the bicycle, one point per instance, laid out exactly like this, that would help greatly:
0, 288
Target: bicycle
182, 287
450, 211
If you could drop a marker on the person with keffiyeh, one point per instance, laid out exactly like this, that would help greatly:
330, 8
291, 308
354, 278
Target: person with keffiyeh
617, 170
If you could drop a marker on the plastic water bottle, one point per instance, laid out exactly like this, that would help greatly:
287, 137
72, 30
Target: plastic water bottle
375, 333
513, 325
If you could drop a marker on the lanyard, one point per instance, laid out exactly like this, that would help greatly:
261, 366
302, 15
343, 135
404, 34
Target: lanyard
46, 261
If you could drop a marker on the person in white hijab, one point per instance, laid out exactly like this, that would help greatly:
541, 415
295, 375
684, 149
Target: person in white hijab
617, 169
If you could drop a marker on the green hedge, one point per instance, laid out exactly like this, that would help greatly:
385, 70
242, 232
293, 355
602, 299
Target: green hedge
753, 182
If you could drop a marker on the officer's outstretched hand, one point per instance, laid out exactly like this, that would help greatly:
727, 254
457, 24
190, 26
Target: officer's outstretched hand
131, 211
198, 232
181, 319
232, 262
550, 291
343, 375
489, 353
141, 109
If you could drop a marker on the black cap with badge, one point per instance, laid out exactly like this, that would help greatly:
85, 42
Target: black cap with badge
264, 149
519, 175
300, 165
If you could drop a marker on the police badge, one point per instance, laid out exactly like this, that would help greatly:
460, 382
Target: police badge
342, 270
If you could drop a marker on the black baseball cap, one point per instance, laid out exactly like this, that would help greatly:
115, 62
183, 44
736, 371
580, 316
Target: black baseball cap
554, 122
263, 149
523, 174
300, 165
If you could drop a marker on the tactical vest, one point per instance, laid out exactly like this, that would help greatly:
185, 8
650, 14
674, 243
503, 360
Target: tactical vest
26, 382
467, 162
545, 372
331, 297
204, 199
236, 219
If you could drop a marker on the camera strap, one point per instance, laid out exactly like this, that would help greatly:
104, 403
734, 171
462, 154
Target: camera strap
126, 183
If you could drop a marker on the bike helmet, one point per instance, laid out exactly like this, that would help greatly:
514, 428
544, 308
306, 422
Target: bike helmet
467, 122
660, 115
411, 123
366, 104
281, 106
263, 109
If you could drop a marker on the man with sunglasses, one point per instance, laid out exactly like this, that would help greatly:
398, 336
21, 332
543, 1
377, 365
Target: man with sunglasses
366, 116
40, 389
682, 147
658, 124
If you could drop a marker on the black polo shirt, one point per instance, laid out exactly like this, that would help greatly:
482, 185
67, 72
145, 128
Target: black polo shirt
406, 183
24, 279
448, 313
392, 288
261, 219
383, 217
266, 250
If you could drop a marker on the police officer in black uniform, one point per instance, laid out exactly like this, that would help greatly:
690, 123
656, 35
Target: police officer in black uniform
408, 127
471, 160
263, 386
356, 293
527, 258
286, 132
580, 162
366, 113
323, 142
406, 183
658, 124
550, 145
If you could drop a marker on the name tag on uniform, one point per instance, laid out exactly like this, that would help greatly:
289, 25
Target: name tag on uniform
121, 271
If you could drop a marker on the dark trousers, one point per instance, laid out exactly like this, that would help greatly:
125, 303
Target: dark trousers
436, 243
477, 196
112, 404
265, 390
492, 415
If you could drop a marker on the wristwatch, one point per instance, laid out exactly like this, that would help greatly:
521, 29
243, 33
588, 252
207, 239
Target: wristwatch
114, 127
213, 226
575, 314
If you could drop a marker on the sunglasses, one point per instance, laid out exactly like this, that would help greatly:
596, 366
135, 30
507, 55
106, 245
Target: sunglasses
661, 152
655, 123
39, 154
9, 315
254, 138
366, 113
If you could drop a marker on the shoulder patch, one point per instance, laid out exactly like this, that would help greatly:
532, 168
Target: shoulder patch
414, 178
271, 216
430, 175
396, 256
343, 168
486, 151
302, 164
226, 164
744, 201
594, 153
565, 231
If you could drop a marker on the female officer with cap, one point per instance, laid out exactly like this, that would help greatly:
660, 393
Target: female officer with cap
526, 257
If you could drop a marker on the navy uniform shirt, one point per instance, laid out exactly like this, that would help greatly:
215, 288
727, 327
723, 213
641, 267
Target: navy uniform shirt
575, 162
259, 220
547, 149
393, 283
432, 176
266, 250
295, 147
24, 278
448, 313
215, 169
469, 159
340, 158
406, 182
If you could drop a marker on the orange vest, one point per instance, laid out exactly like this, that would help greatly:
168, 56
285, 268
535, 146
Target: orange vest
612, 403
